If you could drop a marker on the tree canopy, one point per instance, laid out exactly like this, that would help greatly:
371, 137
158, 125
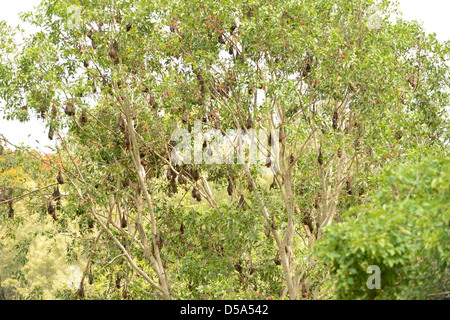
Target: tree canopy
346, 88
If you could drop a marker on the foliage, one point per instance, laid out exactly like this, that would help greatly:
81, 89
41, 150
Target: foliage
404, 230
32, 250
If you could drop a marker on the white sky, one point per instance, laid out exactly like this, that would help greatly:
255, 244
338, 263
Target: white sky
432, 13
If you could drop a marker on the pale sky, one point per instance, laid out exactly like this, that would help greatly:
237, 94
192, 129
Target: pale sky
432, 13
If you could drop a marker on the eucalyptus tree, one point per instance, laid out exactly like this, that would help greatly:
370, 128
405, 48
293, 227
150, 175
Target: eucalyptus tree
342, 85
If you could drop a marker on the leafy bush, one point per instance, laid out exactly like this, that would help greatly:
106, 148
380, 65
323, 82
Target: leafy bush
404, 230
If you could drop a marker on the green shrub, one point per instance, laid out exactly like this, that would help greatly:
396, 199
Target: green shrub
404, 230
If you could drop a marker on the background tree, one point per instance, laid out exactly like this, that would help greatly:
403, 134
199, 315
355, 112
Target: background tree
34, 253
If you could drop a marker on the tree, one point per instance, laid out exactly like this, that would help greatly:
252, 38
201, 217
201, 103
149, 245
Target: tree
32, 253
346, 95
403, 230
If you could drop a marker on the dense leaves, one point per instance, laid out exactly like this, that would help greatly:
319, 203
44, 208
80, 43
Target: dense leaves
404, 230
